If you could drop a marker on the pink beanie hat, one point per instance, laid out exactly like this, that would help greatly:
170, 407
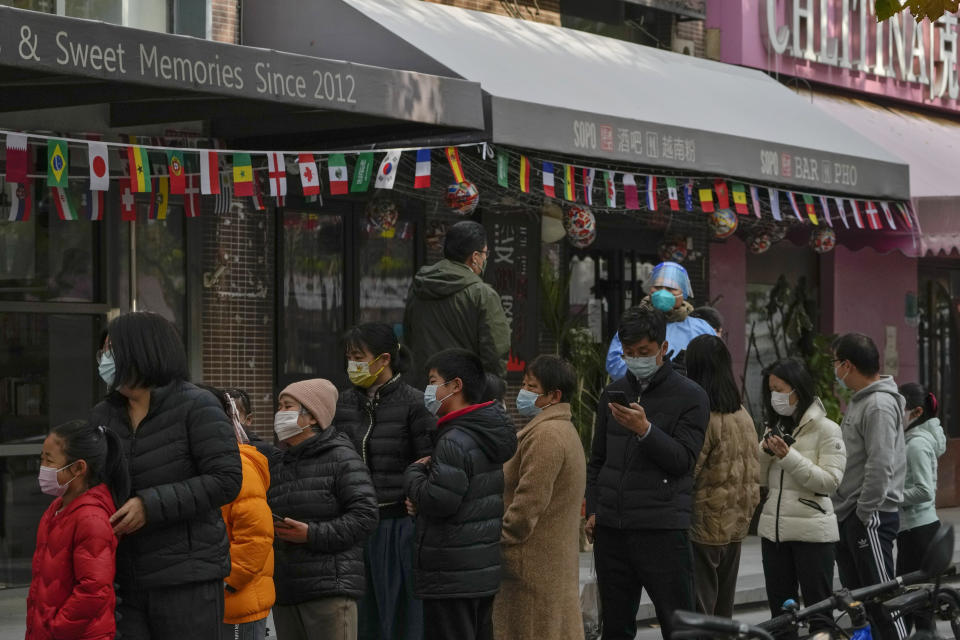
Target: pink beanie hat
318, 396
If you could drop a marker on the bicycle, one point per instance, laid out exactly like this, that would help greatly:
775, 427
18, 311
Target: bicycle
852, 603
936, 561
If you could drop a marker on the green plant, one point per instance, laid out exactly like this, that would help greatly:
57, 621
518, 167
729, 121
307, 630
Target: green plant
787, 313
575, 343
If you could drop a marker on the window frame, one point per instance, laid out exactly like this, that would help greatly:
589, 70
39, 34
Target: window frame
352, 210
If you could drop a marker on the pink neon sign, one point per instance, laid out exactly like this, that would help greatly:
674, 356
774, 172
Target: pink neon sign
839, 42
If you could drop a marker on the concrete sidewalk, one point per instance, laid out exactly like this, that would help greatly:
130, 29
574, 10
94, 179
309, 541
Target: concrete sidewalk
750, 583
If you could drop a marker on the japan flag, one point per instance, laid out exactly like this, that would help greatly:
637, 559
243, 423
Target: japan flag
99, 166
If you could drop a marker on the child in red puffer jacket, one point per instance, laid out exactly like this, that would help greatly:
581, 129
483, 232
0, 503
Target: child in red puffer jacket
71, 595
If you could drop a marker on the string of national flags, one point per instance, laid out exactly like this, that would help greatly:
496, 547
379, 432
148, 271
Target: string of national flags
575, 183
167, 171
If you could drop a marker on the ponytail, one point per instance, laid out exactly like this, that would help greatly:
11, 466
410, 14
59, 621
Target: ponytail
917, 396
102, 450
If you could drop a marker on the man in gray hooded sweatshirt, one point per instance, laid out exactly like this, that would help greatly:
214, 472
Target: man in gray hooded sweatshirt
869, 496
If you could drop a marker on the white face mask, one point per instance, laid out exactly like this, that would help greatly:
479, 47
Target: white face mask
781, 403
286, 424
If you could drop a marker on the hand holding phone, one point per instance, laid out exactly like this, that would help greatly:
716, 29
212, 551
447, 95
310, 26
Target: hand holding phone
277, 518
618, 397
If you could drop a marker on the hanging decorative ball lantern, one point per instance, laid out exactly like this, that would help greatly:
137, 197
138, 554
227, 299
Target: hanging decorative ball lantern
673, 250
462, 197
723, 223
759, 242
382, 216
778, 233
581, 226
823, 240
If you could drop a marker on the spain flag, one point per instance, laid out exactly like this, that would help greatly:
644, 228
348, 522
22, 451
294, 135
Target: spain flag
139, 169
453, 155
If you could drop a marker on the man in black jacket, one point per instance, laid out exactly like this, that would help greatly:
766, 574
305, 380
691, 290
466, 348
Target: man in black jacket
458, 499
649, 431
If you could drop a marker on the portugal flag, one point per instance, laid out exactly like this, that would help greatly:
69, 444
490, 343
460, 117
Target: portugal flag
177, 173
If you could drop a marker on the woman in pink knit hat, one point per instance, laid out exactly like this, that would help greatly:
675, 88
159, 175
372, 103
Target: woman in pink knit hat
324, 508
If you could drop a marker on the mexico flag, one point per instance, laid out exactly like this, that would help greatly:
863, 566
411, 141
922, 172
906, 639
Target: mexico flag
337, 172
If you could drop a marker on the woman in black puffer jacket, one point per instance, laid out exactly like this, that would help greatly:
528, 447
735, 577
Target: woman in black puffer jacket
322, 494
388, 424
184, 464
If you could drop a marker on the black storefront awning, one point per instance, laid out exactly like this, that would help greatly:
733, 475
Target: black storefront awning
259, 96
580, 94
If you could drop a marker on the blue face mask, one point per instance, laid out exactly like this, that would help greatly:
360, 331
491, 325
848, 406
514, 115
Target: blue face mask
107, 368
663, 300
843, 385
526, 403
430, 400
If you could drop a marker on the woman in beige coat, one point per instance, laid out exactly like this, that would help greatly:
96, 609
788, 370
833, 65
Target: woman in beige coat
544, 485
802, 462
726, 478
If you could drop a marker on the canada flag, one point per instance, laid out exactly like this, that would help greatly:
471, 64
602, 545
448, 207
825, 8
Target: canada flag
309, 177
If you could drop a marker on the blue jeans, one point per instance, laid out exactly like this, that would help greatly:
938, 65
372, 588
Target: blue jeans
388, 610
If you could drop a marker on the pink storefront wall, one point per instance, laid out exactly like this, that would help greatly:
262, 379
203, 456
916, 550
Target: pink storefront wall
861, 291
865, 291
728, 282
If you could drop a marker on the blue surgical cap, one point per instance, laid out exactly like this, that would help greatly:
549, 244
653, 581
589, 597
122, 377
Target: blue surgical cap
672, 276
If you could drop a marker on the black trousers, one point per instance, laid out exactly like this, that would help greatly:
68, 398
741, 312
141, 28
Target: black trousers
865, 557
912, 544
629, 561
458, 618
191, 611
789, 565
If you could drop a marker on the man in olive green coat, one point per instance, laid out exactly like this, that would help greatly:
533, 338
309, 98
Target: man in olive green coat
451, 306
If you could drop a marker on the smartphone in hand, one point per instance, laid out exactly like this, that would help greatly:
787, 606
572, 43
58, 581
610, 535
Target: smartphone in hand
618, 397
277, 518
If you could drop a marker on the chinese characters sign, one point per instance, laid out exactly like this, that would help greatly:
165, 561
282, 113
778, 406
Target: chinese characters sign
514, 245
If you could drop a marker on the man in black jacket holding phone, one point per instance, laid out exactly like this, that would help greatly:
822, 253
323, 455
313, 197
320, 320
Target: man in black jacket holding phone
640, 480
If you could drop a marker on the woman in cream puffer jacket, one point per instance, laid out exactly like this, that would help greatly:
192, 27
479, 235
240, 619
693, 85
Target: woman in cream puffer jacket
797, 525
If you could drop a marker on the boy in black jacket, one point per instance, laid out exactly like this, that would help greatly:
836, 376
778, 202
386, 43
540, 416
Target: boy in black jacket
457, 495
649, 432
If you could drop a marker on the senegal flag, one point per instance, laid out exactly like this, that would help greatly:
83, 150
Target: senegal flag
242, 174
139, 169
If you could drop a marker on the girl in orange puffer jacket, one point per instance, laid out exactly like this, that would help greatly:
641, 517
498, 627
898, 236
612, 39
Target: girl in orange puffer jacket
248, 590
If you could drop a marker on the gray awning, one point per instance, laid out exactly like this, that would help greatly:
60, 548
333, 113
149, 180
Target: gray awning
576, 93
52, 61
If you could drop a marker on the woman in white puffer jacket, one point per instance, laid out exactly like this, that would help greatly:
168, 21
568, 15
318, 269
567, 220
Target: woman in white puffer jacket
802, 469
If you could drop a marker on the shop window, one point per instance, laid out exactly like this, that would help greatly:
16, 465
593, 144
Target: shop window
311, 295
386, 264
161, 267
160, 255
48, 259
152, 16
47, 377
339, 268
